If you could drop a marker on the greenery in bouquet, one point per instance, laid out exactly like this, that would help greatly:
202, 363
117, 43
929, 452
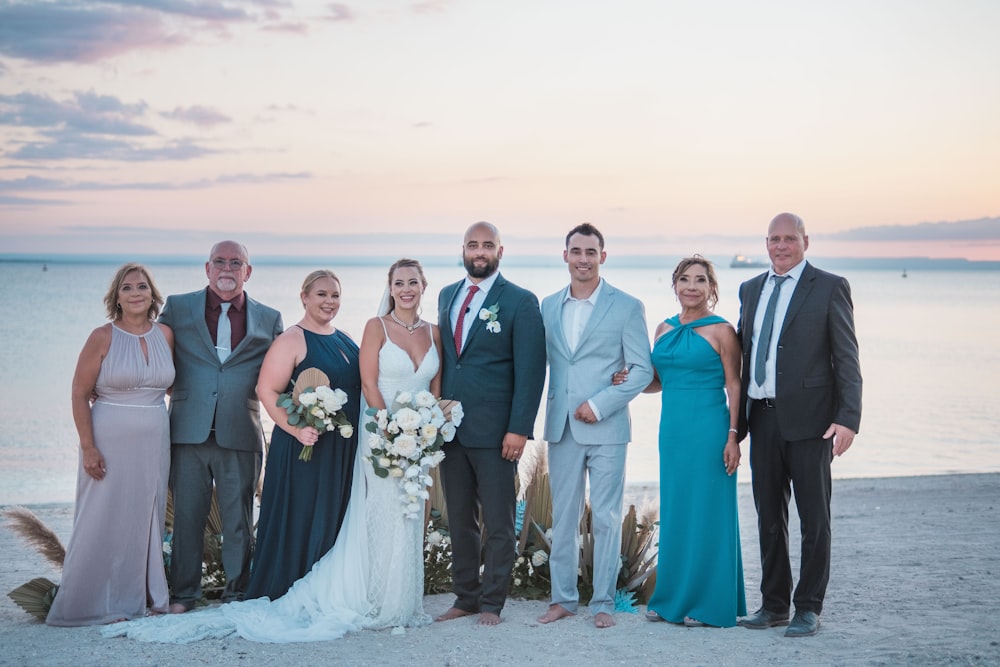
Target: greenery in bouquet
406, 441
313, 403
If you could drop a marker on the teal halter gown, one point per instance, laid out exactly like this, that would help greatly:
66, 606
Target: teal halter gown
700, 568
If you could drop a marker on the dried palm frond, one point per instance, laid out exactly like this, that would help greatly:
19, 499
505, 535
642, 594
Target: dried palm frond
310, 378
35, 597
34, 531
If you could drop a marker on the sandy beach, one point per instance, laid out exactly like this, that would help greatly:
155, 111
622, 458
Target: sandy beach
916, 580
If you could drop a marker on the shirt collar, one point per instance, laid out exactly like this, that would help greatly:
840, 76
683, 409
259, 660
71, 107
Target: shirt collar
484, 285
592, 299
215, 303
794, 273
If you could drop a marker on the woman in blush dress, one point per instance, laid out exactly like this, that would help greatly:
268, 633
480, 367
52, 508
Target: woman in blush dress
114, 563
696, 355
373, 575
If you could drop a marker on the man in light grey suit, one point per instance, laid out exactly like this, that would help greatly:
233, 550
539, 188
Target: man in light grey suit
220, 338
592, 330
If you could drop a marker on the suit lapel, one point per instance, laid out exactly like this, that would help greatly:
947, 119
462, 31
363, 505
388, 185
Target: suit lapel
253, 322
444, 319
754, 288
197, 315
494, 296
799, 296
554, 315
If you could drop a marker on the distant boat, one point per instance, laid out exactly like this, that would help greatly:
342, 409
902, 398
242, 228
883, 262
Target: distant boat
904, 273
45, 267
744, 262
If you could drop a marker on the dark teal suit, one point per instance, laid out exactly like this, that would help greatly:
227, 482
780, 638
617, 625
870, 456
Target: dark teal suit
498, 378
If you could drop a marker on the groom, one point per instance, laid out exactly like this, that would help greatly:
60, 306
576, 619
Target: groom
494, 363
592, 330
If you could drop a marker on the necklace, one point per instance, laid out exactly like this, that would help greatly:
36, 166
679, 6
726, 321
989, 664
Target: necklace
409, 327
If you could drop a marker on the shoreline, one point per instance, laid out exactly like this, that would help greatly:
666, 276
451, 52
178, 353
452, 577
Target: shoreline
915, 580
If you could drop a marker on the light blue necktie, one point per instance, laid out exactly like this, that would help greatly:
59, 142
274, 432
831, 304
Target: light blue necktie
224, 334
764, 339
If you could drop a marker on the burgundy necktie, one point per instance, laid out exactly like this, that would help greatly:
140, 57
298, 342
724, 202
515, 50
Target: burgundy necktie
460, 322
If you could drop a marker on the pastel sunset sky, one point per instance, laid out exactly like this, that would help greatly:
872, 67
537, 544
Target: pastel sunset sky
387, 126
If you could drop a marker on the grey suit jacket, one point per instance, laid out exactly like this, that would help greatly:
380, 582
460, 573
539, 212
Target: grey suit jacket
208, 392
818, 369
614, 338
499, 376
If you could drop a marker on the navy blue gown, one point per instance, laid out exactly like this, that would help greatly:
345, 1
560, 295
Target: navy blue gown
304, 502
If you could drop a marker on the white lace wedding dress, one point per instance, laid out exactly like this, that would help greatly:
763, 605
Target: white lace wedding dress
373, 577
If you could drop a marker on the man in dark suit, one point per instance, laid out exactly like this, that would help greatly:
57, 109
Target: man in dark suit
493, 361
802, 391
220, 338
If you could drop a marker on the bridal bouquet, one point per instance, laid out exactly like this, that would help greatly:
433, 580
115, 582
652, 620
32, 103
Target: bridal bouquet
313, 403
406, 441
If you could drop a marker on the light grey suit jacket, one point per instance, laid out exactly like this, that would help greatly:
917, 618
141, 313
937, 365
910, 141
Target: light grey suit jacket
614, 338
208, 392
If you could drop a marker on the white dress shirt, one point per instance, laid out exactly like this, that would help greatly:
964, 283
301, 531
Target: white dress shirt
575, 315
767, 390
477, 303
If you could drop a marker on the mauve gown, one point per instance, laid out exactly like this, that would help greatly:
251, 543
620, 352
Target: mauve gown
114, 562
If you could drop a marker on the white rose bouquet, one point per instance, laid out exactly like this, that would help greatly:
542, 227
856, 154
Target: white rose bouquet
406, 441
313, 403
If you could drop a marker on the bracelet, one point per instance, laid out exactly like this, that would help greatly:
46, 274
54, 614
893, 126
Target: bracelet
733, 430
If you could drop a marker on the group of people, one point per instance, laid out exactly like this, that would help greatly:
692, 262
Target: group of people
334, 552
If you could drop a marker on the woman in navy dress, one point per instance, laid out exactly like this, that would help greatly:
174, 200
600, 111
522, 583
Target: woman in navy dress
304, 502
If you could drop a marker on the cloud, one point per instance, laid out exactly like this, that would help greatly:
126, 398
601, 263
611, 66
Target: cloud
68, 31
208, 10
39, 184
339, 12
198, 115
292, 28
983, 229
86, 112
93, 127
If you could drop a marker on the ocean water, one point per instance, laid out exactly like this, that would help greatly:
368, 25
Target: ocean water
928, 356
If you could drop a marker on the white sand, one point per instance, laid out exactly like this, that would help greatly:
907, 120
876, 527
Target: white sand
916, 580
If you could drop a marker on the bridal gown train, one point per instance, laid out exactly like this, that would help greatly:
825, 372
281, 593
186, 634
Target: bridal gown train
373, 577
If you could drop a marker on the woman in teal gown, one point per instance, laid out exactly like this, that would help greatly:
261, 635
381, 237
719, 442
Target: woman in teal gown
304, 502
699, 576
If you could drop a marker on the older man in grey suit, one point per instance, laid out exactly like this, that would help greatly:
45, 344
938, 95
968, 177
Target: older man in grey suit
801, 386
220, 338
592, 330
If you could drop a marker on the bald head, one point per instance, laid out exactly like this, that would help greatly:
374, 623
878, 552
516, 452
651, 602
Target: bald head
481, 251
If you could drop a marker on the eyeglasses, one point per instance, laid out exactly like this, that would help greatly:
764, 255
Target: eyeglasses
233, 264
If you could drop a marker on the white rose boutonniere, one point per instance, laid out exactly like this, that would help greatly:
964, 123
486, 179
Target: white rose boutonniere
489, 315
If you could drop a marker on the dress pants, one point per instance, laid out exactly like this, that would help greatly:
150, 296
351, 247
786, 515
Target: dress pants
475, 478
193, 468
803, 465
570, 463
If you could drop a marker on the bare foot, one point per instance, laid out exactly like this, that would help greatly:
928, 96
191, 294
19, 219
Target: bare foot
489, 618
554, 613
178, 608
452, 614
603, 620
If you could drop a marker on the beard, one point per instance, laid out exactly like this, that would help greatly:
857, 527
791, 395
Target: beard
225, 284
482, 271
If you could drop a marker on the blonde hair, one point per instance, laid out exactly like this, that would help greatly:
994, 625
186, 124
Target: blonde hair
404, 263
111, 307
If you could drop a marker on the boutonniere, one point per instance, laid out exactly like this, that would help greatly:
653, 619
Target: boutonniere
489, 315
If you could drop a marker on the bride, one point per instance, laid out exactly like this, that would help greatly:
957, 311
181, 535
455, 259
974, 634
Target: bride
373, 577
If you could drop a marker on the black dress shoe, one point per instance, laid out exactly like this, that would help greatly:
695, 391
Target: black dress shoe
762, 619
804, 624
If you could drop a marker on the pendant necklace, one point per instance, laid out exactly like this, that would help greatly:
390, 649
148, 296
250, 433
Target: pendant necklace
409, 327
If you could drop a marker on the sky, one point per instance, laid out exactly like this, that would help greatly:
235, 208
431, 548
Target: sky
384, 126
